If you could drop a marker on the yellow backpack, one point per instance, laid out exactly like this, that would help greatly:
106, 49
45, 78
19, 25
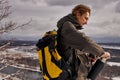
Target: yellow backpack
48, 55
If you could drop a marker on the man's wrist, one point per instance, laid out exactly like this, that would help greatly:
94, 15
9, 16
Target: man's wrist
103, 59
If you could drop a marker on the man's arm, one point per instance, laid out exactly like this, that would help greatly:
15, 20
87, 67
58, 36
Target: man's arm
78, 40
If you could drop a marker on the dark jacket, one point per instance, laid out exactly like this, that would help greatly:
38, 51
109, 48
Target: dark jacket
70, 36
71, 40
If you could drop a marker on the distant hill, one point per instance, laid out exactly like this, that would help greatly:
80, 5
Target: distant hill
106, 39
19, 43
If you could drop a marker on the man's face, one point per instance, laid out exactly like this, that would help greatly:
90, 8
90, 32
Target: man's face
83, 19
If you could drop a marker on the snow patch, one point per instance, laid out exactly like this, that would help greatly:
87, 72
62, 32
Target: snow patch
116, 78
113, 63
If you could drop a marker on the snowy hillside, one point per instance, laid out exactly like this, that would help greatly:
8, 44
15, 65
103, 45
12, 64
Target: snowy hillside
21, 63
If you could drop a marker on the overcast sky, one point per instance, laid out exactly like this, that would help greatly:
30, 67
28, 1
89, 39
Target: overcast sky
104, 20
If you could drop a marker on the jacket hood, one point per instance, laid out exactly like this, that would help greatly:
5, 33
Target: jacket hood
70, 18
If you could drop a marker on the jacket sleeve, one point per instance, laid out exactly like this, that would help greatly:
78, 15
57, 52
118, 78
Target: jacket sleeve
76, 39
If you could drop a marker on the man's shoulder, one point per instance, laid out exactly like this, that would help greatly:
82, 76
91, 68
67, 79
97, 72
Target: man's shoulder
68, 24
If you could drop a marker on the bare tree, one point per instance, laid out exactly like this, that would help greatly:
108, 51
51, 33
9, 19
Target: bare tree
6, 25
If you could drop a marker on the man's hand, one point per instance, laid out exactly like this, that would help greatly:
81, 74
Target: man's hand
105, 56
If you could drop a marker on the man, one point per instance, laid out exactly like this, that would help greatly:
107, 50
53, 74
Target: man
72, 41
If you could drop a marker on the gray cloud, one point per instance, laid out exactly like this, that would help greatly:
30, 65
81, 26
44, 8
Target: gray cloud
62, 2
27, 0
104, 20
31, 1
118, 7
94, 3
